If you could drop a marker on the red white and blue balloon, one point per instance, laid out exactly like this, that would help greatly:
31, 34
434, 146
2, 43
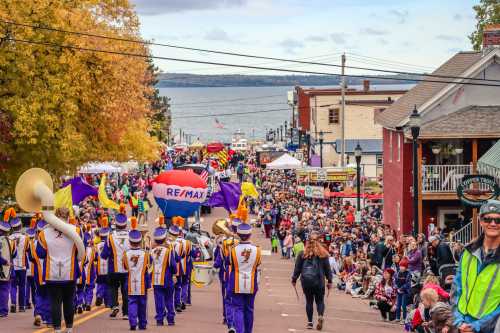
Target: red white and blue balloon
179, 192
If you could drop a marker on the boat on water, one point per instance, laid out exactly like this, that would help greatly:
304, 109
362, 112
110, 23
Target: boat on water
239, 142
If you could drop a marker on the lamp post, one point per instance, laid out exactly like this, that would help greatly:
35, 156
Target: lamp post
357, 153
281, 132
286, 133
414, 125
321, 134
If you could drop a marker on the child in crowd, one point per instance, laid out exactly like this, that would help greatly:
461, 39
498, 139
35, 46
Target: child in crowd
403, 285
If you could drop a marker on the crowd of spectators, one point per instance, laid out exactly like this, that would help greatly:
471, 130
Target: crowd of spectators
408, 279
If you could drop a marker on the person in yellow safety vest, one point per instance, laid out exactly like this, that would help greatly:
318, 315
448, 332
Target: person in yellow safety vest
476, 294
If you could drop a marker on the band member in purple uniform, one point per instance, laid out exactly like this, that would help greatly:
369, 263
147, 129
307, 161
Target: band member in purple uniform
102, 292
164, 271
42, 303
5, 268
20, 263
61, 270
30, 280
243, 280
90, 272
113, 251
227, 245
137, 261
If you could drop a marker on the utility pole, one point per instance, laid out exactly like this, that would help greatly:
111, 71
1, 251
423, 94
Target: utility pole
342, 113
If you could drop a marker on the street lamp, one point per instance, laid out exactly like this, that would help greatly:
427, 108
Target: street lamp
414, 125
321, 134
357, 153
281, 132
286, 133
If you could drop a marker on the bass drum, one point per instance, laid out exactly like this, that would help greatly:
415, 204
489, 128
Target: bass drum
202, 274
6, 254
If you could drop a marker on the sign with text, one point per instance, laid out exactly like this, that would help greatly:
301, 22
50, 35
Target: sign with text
321, 175
315, 192
474, 190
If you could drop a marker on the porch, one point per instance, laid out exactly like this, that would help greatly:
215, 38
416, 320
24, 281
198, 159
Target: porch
444, 163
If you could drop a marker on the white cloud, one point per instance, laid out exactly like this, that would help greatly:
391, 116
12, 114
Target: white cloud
374, 32
291, 45
159, 7
401, 15
338, 38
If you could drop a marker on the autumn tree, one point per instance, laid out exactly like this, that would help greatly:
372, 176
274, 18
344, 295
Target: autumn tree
61, 107
487, 12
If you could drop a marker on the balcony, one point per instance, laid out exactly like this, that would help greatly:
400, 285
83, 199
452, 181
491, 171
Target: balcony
443, 178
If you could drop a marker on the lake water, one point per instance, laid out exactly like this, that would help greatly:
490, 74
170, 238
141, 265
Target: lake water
222, 100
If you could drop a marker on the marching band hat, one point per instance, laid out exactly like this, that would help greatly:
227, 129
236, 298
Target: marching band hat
235, 222
490, 207
41, 225
121, 220
134, 236
4, 226
244, 229
160, 233
31, 232
104, 232
174, 230
15, 222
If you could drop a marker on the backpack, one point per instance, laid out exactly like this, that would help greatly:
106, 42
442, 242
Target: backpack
311, 273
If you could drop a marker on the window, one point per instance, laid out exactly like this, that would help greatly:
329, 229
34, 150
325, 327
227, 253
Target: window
390, 146
333, 116
399, 147
380, 160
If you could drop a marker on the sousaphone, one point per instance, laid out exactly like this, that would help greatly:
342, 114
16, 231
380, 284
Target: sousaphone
34, 194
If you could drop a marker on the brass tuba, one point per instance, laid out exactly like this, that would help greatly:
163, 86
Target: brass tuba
34, 194
220, 228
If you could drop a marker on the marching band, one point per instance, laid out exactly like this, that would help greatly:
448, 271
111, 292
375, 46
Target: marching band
44, 268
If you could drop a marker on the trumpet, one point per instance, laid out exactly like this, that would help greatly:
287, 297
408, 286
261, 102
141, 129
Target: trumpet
34, 194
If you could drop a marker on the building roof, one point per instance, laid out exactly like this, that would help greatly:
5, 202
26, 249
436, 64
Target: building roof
470, 122
369, 146
422, 92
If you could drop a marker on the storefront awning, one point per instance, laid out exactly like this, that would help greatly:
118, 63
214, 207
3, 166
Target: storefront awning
489, 163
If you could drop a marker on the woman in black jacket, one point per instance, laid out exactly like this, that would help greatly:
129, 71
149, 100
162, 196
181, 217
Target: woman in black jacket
313, 268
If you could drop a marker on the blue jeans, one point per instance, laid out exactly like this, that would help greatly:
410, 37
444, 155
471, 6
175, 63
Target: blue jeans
401, 302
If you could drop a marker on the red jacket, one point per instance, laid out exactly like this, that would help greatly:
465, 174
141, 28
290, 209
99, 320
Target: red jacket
389, 293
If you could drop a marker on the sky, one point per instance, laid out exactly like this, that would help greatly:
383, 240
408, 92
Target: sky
410, 35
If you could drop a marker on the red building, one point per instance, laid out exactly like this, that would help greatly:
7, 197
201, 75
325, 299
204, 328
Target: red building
460, 123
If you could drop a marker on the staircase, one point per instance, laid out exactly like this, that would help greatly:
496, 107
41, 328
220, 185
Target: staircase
463, 235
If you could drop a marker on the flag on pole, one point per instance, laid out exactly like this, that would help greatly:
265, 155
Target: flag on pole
218, 124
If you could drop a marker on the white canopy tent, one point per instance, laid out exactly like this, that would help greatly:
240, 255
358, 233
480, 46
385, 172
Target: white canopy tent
284, 162
99, 168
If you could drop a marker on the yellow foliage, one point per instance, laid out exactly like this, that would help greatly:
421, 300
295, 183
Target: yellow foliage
67, 107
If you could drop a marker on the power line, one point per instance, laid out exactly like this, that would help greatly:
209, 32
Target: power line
234, 53
389, 61
242, 66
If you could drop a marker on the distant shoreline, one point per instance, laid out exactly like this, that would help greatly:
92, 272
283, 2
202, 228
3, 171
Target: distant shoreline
179, 80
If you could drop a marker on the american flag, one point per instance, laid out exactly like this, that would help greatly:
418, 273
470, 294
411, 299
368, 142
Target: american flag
204, 174
218, 124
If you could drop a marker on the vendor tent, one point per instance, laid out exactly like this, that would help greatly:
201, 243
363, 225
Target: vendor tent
284, 162
95, 168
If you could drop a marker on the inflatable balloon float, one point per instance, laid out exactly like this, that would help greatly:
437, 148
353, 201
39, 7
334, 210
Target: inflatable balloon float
179, 192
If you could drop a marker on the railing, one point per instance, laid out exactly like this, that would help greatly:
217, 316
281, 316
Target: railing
463, 235
443, 178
